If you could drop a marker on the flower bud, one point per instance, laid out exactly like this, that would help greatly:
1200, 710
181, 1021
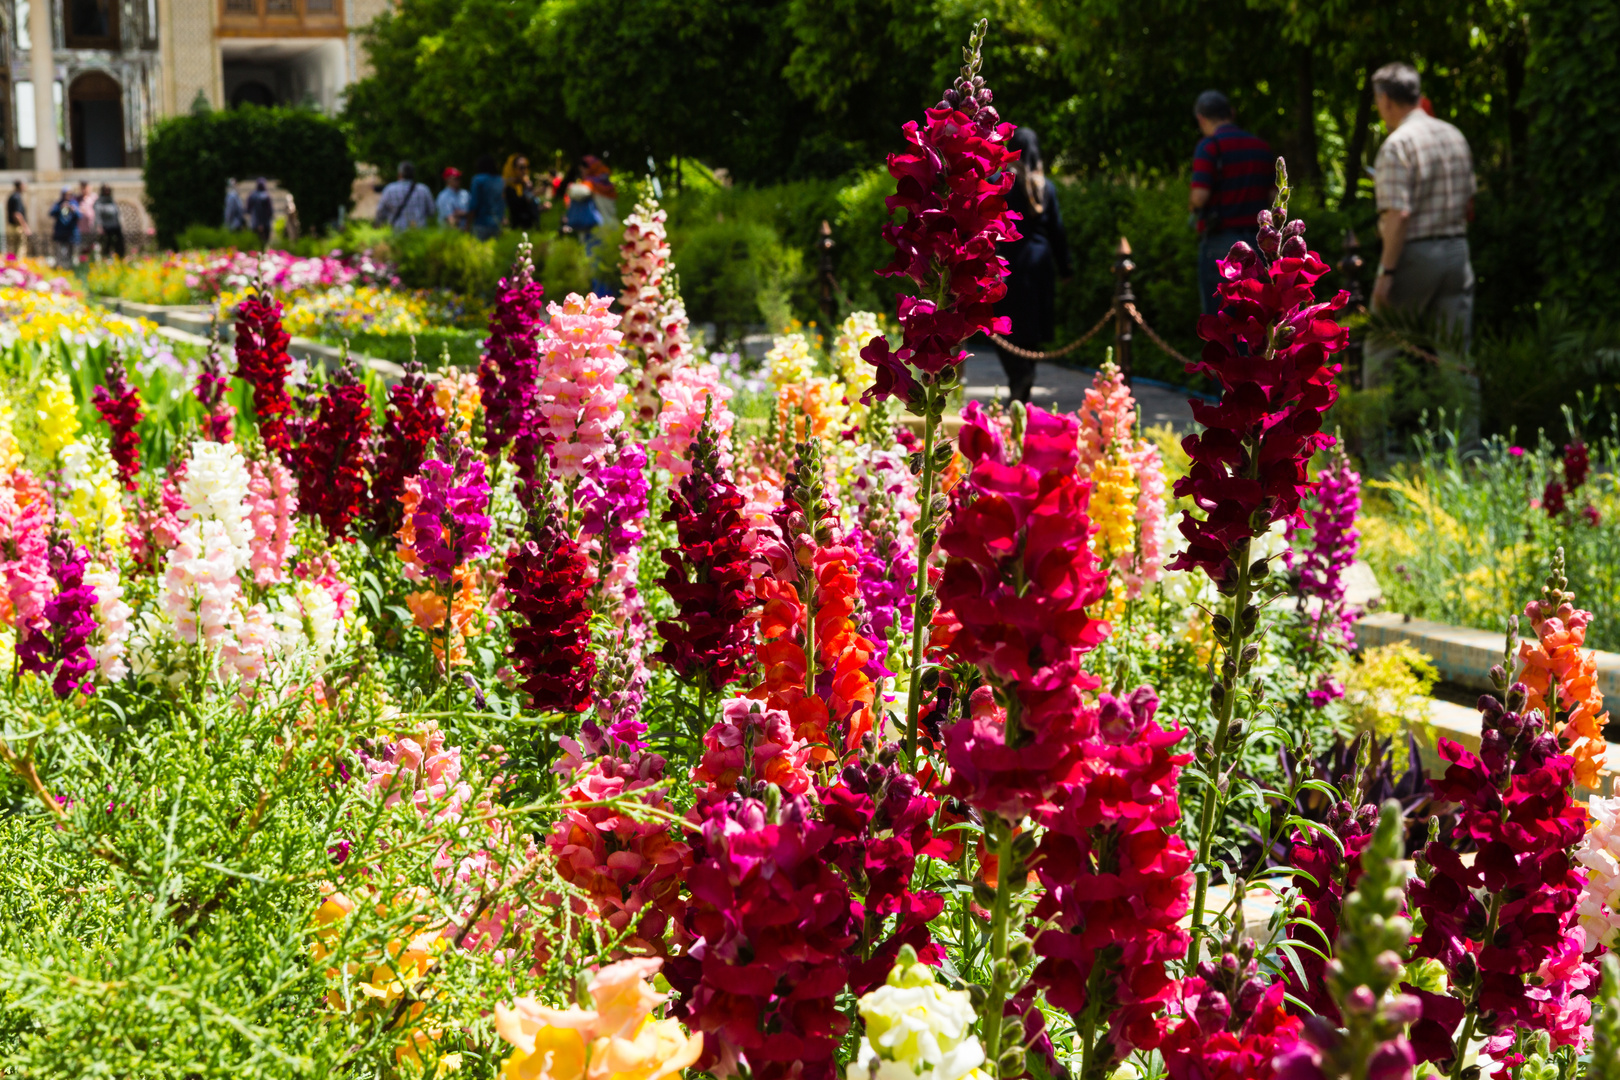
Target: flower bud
1012, 1031
1293, 247
1360, 1001
977, 995
914, 462
1002, 973
1021, 951
1011, 1063
1217, 694
983, 895
942, 455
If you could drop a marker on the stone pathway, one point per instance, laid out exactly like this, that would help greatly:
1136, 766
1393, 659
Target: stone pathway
1062, 389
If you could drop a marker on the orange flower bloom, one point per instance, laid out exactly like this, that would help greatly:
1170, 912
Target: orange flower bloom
1557, 658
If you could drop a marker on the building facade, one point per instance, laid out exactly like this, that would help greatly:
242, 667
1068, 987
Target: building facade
113, 67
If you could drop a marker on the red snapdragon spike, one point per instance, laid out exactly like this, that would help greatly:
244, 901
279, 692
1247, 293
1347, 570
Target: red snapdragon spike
708, 574
57, 643
1552, 499
1115, 876
332, 461
262, 362
1019, 577
1217, 1039
509, 372
414, 422
551, 634
767, 936
1516, 808
119, 404
881, 818
952, 182
1577, 465
1270, 348
213, 384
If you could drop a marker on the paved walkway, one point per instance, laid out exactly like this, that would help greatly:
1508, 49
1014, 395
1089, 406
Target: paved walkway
1062, 389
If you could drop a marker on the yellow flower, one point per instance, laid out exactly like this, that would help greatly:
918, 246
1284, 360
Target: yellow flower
854, 332
458, 397
789, 361
57, 414
1113, 511
95, 505
617, 1040
10, 452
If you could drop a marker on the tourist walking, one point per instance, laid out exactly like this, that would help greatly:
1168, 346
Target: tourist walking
17, 230
454, 201
486, 194
405, 204
1424, 178
522, 208
64, 228
235, 212
109, 224
1034, 263
596, 173
261, 211
85, 241
1232, 181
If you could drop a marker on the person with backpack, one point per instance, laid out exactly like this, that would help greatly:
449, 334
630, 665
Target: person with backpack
261, 211
109, 224
64, 228
1232, 181
405, 204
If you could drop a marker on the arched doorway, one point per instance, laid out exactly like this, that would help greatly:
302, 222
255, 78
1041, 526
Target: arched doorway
96, 121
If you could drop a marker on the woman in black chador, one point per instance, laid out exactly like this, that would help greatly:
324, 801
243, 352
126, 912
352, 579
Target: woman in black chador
1034, 263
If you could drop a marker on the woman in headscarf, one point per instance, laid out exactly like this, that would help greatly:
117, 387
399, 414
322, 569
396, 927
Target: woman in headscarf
522, 208
1034, 262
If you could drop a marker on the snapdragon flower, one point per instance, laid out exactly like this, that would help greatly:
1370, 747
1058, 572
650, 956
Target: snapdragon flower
916, 1029
215, 488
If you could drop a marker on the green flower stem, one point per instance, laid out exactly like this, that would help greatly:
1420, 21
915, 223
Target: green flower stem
921, 611
1233, 649
990, 1022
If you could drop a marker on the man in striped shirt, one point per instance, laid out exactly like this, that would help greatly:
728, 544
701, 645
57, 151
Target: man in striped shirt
1231, 183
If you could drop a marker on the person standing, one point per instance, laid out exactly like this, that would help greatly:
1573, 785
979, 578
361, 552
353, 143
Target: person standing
235, 212
488, 204
261, 211
1034, 263
17, 230
405, 204
85, 240
454, 201
109, 224
522, 208
1424, 179
596, 173
64, 228
1232, 181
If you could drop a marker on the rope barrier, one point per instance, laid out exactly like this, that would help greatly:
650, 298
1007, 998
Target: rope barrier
1153, 335
1032, 354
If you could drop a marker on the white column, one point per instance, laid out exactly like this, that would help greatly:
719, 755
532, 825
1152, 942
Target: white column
42, 66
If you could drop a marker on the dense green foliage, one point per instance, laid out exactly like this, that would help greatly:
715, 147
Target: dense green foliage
189, 158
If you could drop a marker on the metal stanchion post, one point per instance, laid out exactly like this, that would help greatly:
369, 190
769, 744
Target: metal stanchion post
1123, 300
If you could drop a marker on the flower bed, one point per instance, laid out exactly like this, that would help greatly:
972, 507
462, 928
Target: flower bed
195, 277
418, 730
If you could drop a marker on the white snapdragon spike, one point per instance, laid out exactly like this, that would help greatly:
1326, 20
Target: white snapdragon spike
215, 488
1599, 853
308, 617
917, 1029
112, 621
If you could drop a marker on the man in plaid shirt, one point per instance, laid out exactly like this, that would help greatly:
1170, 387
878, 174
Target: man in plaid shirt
1425, 183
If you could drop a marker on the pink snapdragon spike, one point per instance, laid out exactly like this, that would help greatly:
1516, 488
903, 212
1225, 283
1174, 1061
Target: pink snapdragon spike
452, 519
579, 397
1331, 519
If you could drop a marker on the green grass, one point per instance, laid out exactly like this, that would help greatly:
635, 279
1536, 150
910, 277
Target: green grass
464, 346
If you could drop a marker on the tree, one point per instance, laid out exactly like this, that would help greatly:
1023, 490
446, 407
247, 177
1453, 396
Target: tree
189, 158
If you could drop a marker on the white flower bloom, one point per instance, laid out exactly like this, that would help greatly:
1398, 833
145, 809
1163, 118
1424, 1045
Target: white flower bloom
1599, 853
308, 617
112, 621
916, 1029
215, 488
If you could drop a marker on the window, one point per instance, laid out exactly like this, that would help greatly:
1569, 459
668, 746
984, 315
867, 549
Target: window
25, 39
27, 130
241, 7
91, 24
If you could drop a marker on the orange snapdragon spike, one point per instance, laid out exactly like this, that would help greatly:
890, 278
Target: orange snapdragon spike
1558, 657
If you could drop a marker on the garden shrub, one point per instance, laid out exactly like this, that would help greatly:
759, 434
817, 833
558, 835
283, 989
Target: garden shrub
735, 273
189, 158
201, 237
445, 259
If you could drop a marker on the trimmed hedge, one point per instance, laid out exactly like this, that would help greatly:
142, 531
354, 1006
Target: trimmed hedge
189, 158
